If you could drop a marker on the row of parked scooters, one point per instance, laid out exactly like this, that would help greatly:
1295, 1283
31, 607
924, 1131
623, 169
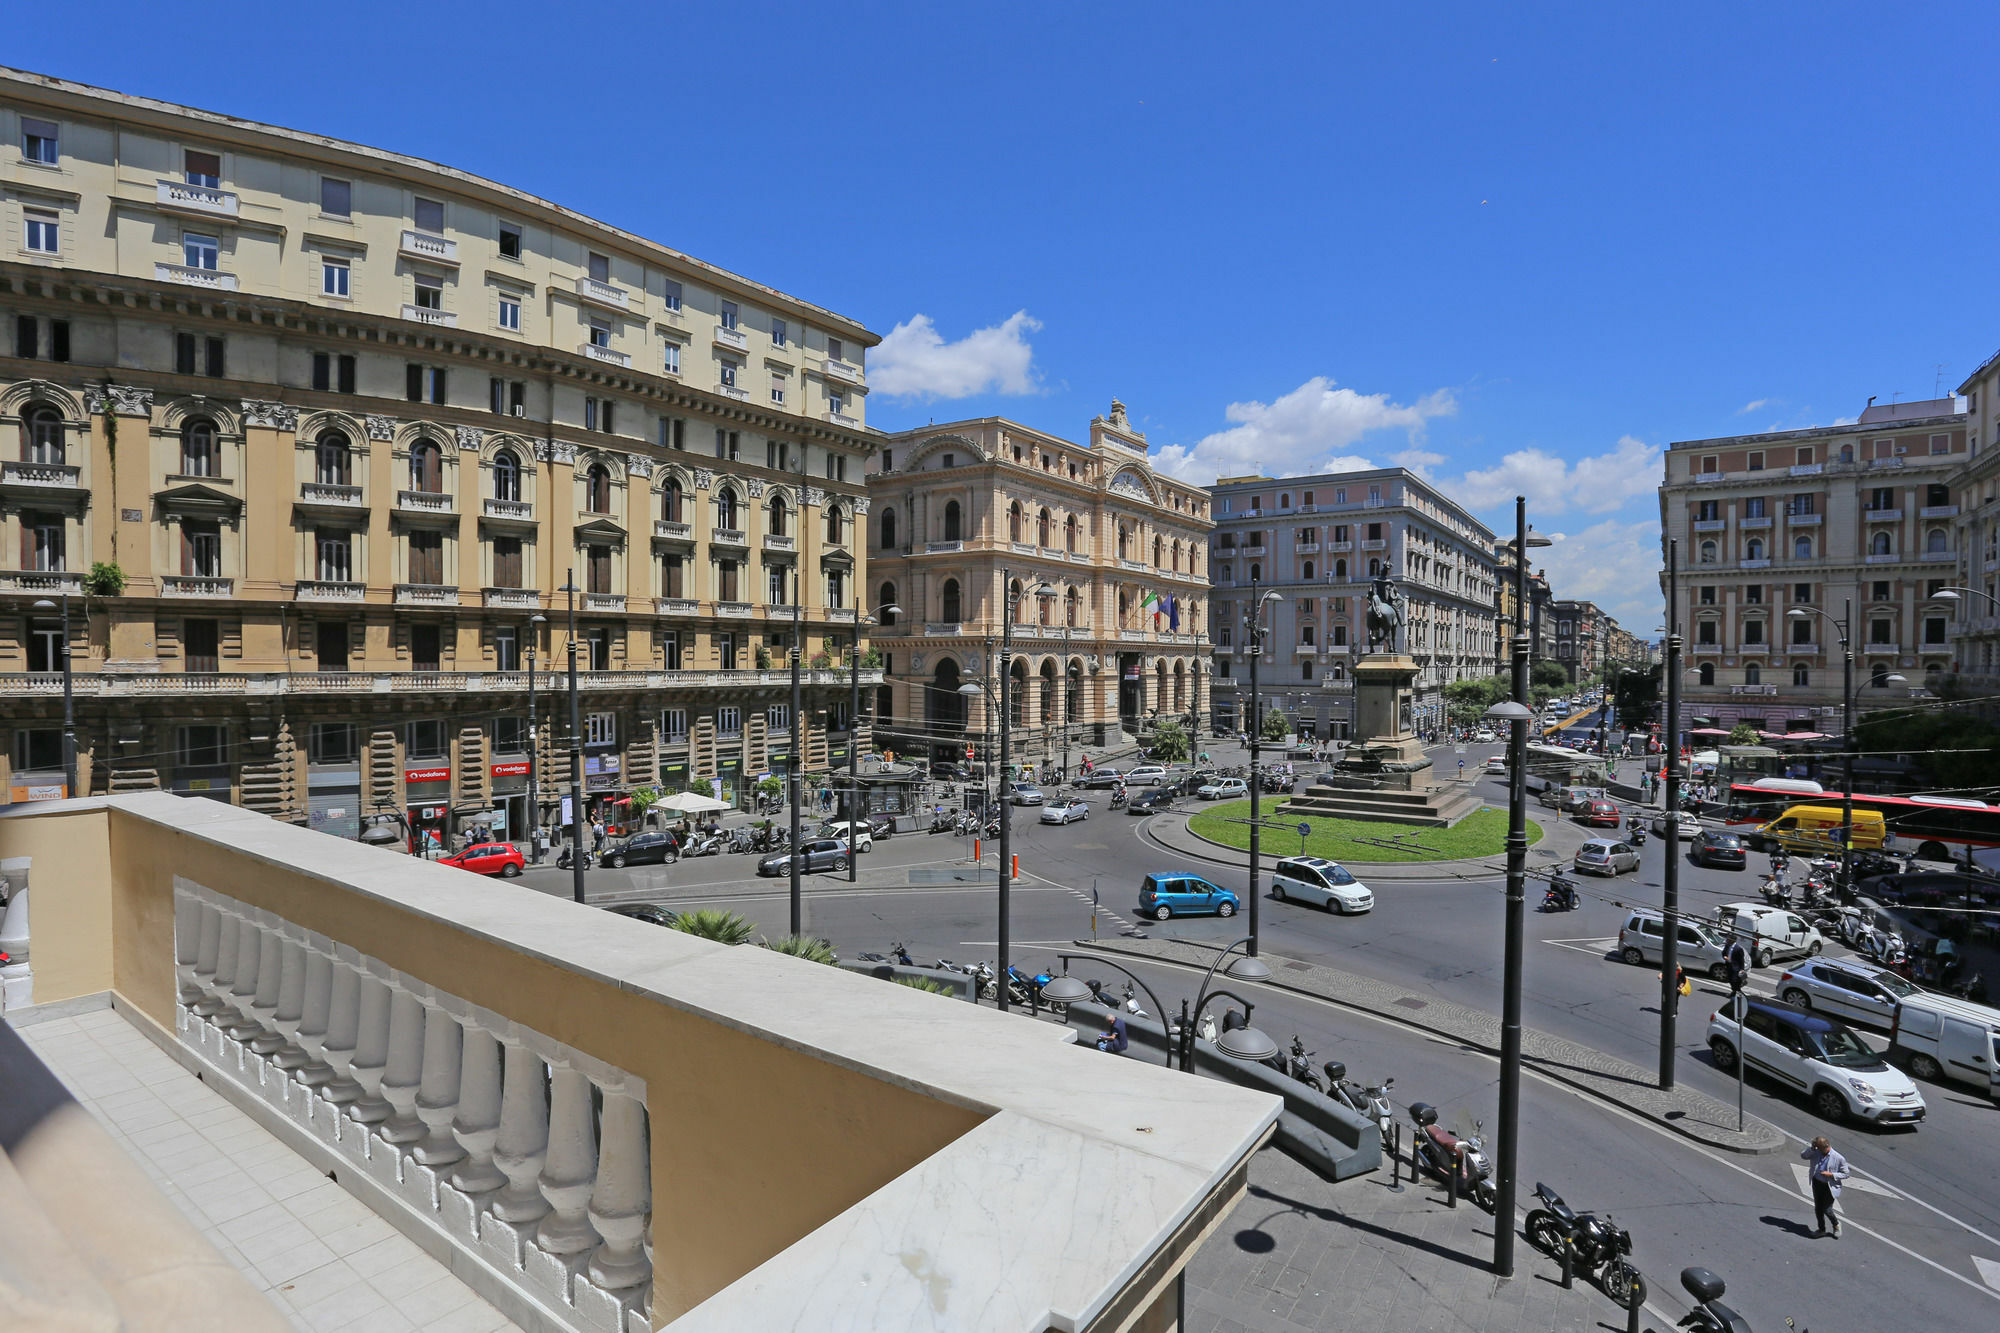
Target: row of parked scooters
708, 842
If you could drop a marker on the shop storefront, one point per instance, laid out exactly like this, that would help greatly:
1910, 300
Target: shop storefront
729, 777
333, 799
511, 819
427, 794
211, 782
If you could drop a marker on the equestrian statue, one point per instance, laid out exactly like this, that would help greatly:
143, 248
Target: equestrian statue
1385, 615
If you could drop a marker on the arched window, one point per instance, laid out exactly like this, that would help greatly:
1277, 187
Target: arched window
1285, 500
1847, 453
42, 435
673, 502
199, 457
1256, 571
954, 522
836, 525
1306, 669
1045, 526
1802, 548
1017, 702
885, 530
1069, 534
1801, 676
333, 460
1706, 676
1753, 549
1045, 609
1018, 600
506, 475
1014, 521
597, 488
885, 601
1340, 571
1708, 553
1307, 569
1936, 542
728, 509
1175, 557
950, 604
1753, 674
426, 467
1159, 552
1124, 542
1124, 609
1070, 602
1048, 682
779, 514
1880, 544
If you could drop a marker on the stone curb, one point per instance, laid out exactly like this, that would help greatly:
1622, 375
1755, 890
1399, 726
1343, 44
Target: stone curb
1186, 842
1692, 1115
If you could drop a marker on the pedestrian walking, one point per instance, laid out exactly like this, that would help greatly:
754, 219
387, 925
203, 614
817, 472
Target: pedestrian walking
1826, 1169
597, 835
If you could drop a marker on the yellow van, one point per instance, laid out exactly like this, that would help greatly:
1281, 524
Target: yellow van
1816, 828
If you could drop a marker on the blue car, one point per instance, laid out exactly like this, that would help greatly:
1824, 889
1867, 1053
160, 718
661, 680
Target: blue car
1177, 894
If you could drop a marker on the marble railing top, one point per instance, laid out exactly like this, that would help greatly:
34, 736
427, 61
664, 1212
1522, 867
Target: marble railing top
1129, 1149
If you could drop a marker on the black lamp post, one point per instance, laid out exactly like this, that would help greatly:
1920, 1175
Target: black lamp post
1246, 1042
1843, 626
69, 699
1253, 629
1671, 811
575, 751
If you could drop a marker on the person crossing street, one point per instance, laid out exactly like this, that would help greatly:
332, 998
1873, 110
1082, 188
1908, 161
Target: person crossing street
1826, 1169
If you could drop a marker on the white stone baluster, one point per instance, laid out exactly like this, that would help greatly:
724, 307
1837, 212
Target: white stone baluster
571, 1169
523, 1140
187, 945
291, 1012
343, 1026
622, 1201
270, 964
317, 1011
404, 1069
477, 1123
240, 1025
438, 1094
371, 1046
223, 975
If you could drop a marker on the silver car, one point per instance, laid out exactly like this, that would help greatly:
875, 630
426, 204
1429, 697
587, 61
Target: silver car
1690, 826
1602, 856
1844, 988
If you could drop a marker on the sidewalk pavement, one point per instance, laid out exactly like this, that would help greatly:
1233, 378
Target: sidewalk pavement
1560, 839
1686, 1112
1299, 1255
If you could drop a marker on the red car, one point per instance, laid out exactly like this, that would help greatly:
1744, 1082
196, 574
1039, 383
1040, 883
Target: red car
1600, 813
488, 858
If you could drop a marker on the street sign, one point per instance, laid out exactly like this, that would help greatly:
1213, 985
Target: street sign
1305, 829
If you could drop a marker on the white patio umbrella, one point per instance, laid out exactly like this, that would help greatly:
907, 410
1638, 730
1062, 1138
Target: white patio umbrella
688, 803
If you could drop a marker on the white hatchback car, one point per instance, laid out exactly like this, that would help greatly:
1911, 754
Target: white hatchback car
1839, 1073
1223, 789
1146, 775
862, 839
1497, 764
1323, 883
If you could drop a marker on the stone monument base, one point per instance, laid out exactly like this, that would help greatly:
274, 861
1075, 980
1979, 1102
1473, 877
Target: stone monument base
1386, 777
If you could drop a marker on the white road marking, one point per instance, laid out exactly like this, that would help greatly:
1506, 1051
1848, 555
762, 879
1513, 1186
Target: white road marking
1989, 1271
1859, 1184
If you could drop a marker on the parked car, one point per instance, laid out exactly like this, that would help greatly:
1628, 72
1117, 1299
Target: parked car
819, 853
1769, 932
1840, 1074
653, 912
1146, 775
1943, 1037
1222, 789
1101, 777
488, 858
1497, 764
1570, 799
1484, 736
1025, 793
1697, 947
1846, 988
1323, 883
1172, 893
1602, 856
1713, 847
643, 849
1690, 826
1602, 814
1152, 801
857, 834
1064, 811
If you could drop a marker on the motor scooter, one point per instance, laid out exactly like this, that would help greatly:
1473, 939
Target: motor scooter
1372, 1102
1118, 798
1561, 896
567, 857
1443, 1155
1297, 1064
1709, 1315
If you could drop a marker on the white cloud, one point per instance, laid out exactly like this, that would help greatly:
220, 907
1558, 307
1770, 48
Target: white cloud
1752, 406
1615, 564
1596, 484
915, 361
1306, 431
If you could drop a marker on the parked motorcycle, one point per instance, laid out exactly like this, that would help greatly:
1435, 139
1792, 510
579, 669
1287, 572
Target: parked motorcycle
1372, 1102
1297, 1064
1973, 988
1597, 1245
1561, 895
1437, 1153
1023, 988
897, 954
1709, 1315
567, 858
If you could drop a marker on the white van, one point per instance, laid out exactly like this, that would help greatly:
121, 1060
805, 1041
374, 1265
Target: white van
1768, 932
1943, 1037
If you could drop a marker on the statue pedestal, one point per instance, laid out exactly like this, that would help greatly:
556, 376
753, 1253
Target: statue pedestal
1385, 776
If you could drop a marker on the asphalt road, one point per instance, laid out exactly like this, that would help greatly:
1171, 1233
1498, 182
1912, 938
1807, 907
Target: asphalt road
1923, 1249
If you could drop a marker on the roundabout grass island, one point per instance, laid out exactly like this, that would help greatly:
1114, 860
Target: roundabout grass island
1481, 833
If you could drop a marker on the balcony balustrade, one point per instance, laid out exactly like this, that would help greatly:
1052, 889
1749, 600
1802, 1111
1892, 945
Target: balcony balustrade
519, 599
736, 340
520, 511
66, 476
426, 502
942, 548
116, 685
1802, 520
729, 537
948, 627
777, 543
1051, 552
610, 356
841, 370
1754, 523
1338, 547
40, 581
423, 314
1938, 511
733, 610
200, 199
843, 419
196, 585
423, 245
330, 590
1305, 548
676, 606
1891, 558
604, 601
214, 279
732, 391
1879, 648
1375, 544
328, 495
1883, 515
1136, 566
1251, 551
603, 293
426, 594
668, 530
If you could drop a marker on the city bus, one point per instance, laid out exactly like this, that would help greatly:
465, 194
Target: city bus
1559, 766
1929, 825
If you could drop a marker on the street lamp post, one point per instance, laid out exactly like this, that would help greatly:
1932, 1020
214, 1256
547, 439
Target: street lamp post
1253, 627
575, 751
69, 699
535, 623
1517, 713
1843, 625
1671, 899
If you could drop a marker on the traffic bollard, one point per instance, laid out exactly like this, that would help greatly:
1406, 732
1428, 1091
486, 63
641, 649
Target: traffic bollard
1396, 1158
1451, 1190
1632, 1310
1569, 1265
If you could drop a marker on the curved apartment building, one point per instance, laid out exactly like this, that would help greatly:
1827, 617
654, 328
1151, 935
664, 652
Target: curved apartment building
308, 443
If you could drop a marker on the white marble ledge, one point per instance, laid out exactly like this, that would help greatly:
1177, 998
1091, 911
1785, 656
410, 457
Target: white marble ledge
969, 1056
1016, 1227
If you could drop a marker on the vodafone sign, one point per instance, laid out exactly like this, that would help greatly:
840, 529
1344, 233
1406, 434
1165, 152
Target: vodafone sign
514, 768
428, 774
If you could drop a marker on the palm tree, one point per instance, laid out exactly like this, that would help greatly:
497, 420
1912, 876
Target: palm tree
808, 947
924, 984
713, 923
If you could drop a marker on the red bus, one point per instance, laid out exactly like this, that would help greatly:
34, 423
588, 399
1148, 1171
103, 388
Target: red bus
1931, 825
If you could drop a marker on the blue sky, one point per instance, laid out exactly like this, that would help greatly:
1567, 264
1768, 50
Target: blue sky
1520, 251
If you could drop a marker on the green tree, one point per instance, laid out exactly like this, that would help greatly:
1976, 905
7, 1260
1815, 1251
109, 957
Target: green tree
643, 797
105, 579
1548, 673
1744, 734
924, 984
1275, 725
770, 786
714, 923
705, 787
808, 947
1170, 742
1467, 700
